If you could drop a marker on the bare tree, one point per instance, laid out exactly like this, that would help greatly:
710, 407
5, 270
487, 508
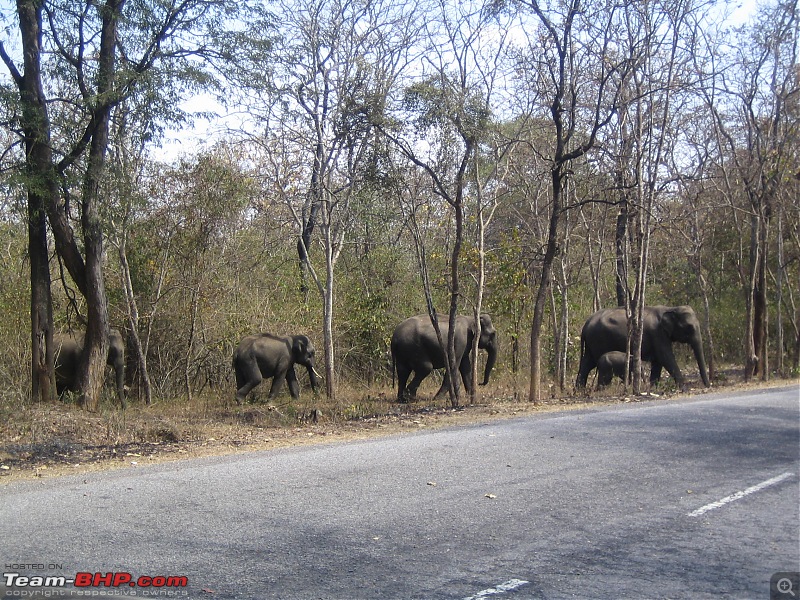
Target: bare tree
660, 76
452, 102
576, 69
333, 69
748, 98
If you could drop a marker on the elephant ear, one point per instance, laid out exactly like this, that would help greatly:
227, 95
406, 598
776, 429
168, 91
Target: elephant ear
486, 324
668, 323
299, 346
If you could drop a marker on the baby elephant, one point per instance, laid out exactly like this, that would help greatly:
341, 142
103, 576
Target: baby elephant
264, 355
610, 364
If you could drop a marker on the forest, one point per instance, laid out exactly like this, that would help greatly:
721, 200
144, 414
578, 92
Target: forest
336, 166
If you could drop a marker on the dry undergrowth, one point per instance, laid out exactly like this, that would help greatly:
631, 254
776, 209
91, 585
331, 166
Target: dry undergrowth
45, 440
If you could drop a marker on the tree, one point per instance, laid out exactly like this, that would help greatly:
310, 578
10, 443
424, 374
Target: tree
750, 99
576, 71
335, 62
450, 106
80, 61
654, 93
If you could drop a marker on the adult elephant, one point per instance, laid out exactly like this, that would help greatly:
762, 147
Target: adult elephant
265, 355
610, 364
68, 350
606, 331
416, 348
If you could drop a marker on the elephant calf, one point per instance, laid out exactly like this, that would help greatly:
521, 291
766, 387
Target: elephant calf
264, 355
610, 364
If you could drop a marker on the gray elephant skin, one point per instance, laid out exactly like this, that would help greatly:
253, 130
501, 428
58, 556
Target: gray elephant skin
415, 348
265, 355
68, 349
611, 364
606, 331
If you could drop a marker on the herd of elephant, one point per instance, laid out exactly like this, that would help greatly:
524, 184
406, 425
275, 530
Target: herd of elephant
415, 349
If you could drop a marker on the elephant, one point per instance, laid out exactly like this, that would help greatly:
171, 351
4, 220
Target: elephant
606, 331
416, 348
68, 349
610, 364
265, 355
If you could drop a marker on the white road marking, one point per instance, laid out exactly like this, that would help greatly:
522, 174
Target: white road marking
508, 586
740, 495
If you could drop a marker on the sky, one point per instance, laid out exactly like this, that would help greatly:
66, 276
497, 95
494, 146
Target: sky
203, 134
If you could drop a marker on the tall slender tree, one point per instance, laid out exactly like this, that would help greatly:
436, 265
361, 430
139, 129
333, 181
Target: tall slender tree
576, 71
335, 63
451, 103
748, 97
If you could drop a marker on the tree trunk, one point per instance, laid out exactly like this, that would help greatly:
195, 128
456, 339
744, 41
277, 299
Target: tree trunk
327, 317
41, 186
187, 376
95, 349
91, 373
551, 249
42, 374
761, 313
133, 323
750, 349
779, 298
621, 245
455, 285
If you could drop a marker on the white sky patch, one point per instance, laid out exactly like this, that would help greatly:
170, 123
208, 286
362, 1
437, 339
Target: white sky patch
743, 12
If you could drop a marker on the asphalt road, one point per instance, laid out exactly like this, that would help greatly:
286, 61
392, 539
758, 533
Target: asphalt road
693, 499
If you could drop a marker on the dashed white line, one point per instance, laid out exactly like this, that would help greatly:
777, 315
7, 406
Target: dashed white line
740, 495
508, 586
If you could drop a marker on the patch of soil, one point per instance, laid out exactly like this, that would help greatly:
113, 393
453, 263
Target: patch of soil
57, 439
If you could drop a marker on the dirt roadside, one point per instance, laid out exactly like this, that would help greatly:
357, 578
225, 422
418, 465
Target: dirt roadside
44, 441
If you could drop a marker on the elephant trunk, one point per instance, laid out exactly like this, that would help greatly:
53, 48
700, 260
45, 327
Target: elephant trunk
119, 373
491, 358
697, 347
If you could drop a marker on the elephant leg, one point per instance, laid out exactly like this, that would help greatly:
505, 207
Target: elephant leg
445, 385
419, 375
277, 383
248, 376
587, 364
671, 365
465, 368
655, 372
119, 381
291, 380
604, 377
403, 373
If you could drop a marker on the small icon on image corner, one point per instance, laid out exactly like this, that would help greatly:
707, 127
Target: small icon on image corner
785, 586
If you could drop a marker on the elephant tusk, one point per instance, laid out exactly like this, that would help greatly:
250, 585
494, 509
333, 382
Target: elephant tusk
315, 372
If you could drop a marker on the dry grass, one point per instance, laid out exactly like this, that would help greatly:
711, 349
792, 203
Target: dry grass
52, 439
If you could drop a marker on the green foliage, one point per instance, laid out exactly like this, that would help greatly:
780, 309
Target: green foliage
441, 103
14, 315
211, 239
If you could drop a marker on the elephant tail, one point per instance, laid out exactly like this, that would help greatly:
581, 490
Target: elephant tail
393, 369
583, 372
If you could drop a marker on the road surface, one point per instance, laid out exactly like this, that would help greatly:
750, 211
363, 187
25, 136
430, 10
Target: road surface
694, 498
